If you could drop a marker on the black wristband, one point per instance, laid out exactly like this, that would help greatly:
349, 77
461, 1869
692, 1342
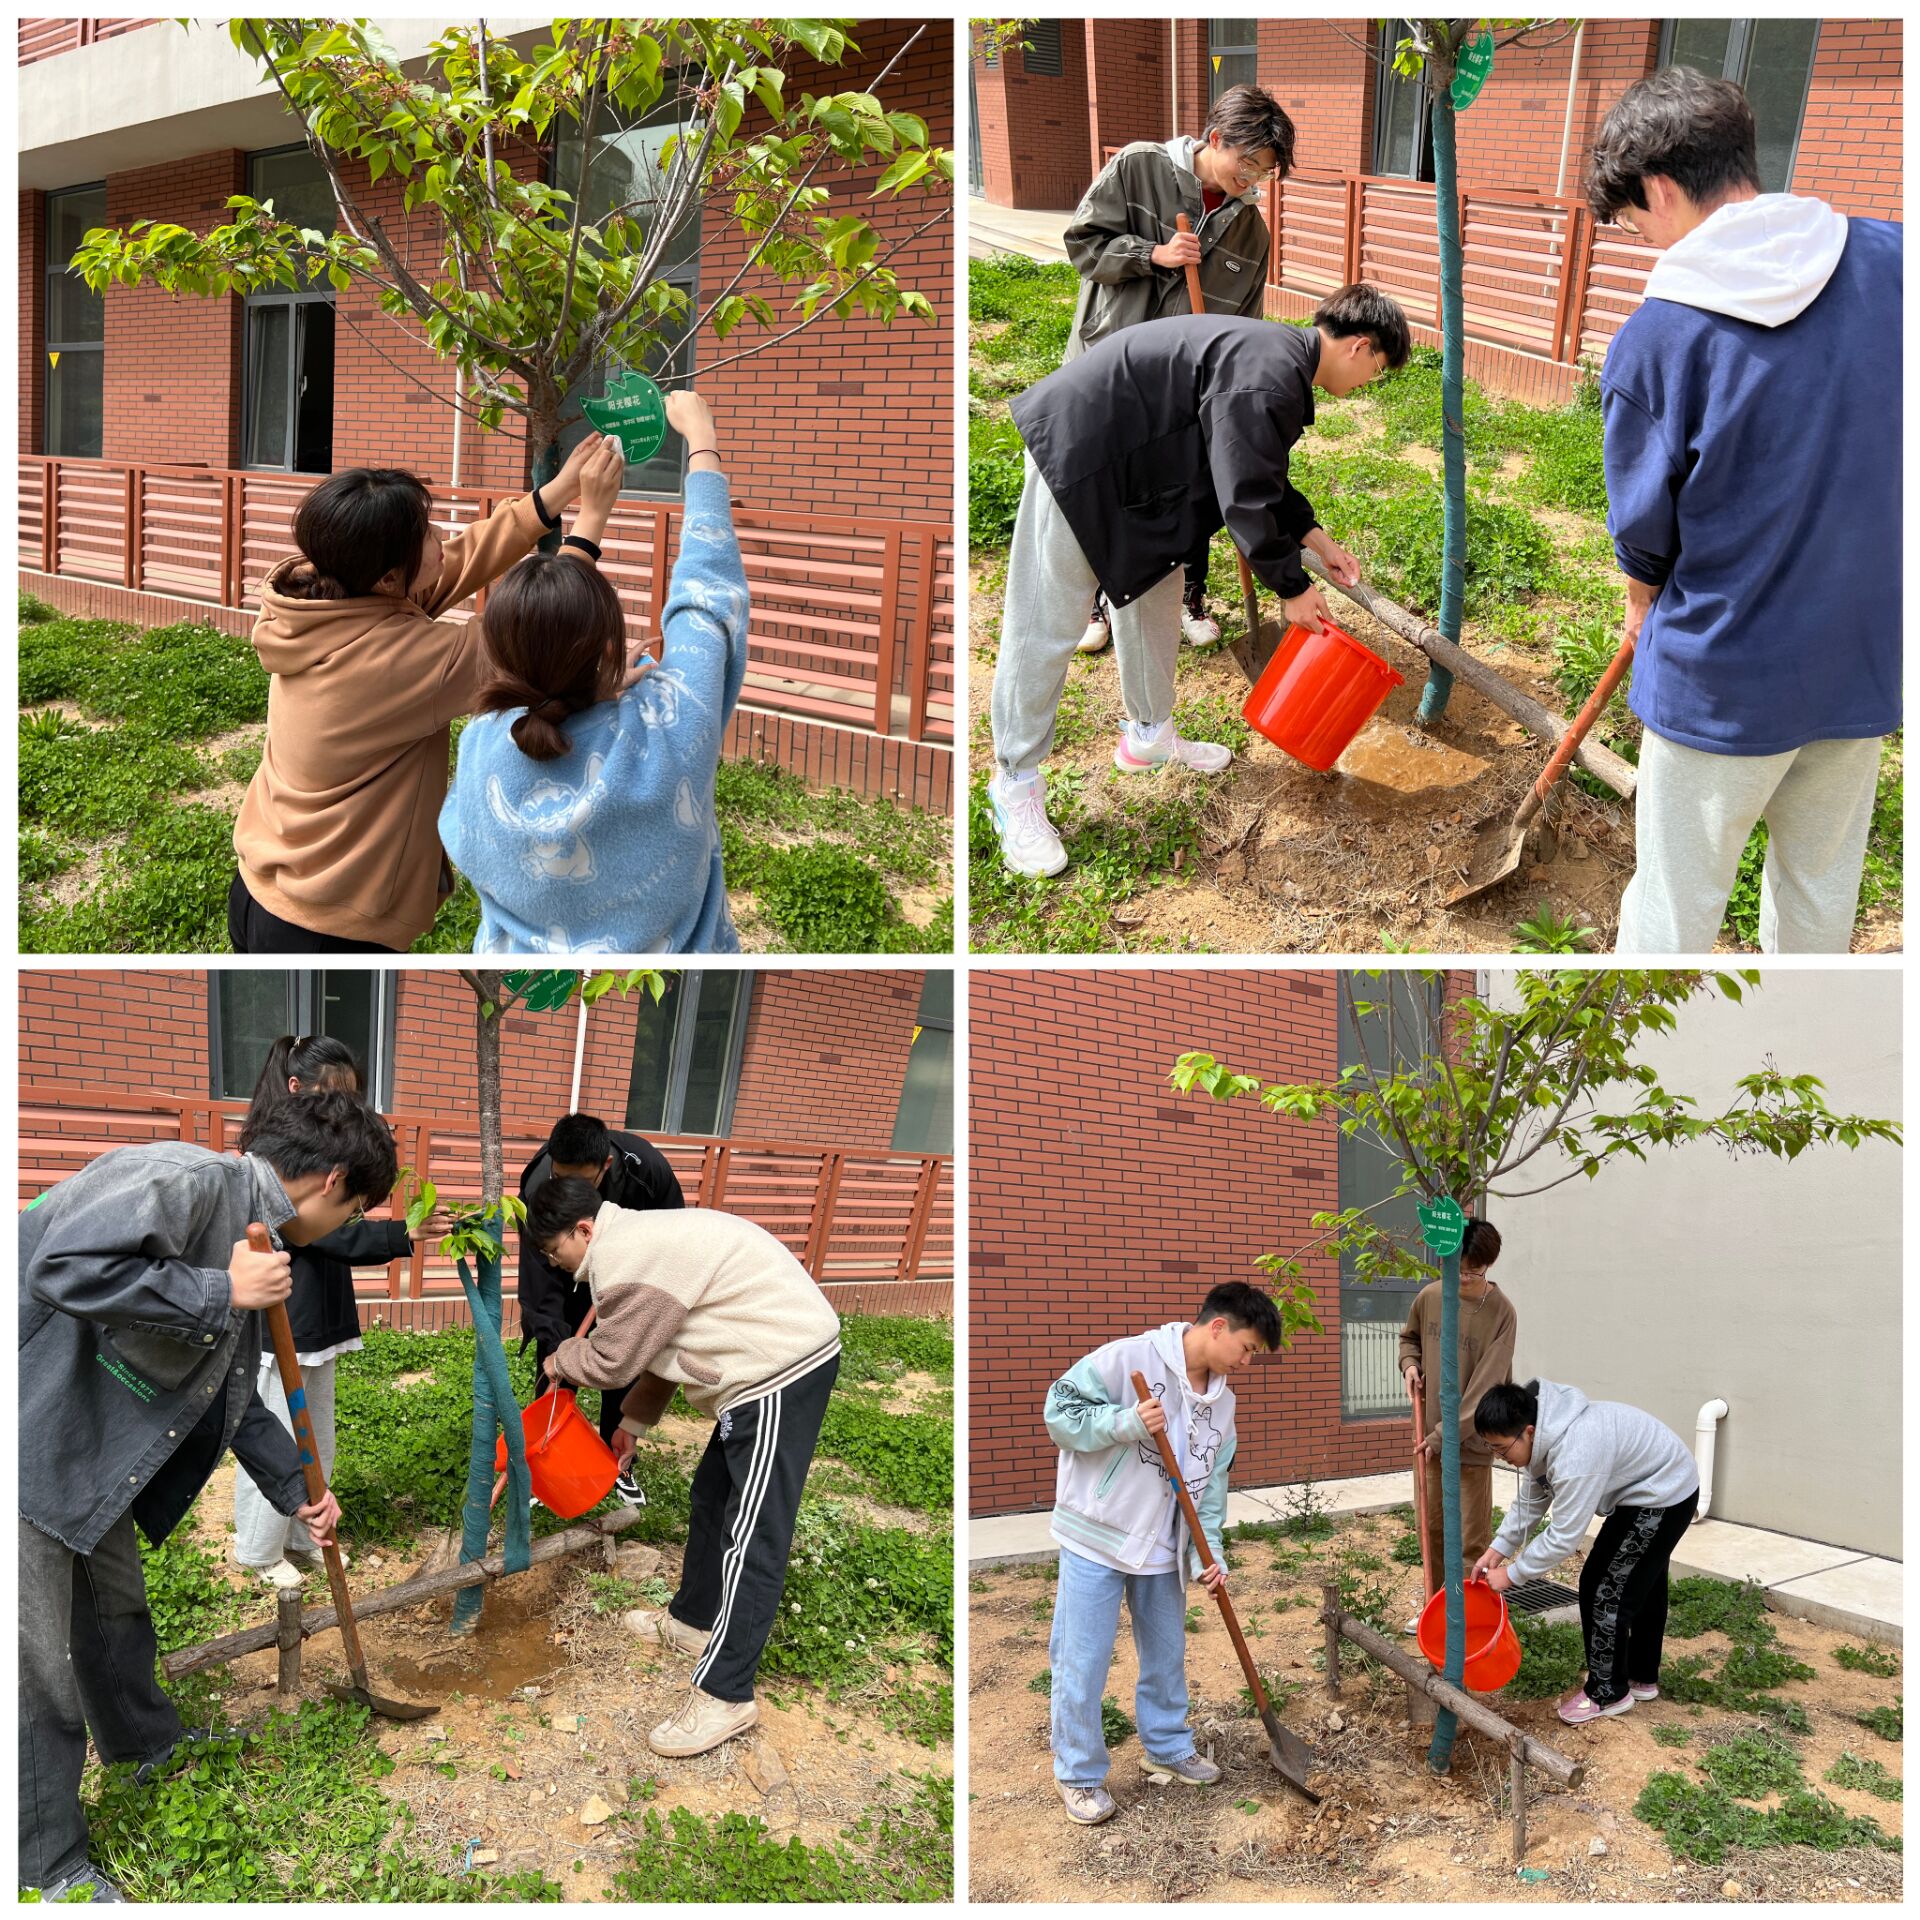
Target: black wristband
585, 545
548, 520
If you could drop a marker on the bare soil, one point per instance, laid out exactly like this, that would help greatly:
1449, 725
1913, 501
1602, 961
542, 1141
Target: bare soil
1387, 1829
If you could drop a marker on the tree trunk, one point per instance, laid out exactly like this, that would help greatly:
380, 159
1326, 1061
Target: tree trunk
543, 454
1446, 1724
1453, 446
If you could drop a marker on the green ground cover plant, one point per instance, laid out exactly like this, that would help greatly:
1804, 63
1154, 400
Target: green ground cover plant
1868, 1658
163, 717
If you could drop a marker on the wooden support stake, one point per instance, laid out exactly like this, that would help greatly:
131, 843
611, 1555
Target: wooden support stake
1599, 761
1517, 1788
287, 1631
1329, 1612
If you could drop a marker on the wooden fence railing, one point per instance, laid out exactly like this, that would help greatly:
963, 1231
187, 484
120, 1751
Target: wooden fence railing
42, 39
853, 619
849, 1214
1539, 274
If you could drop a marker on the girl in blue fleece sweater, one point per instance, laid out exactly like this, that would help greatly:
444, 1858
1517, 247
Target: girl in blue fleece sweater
582, 804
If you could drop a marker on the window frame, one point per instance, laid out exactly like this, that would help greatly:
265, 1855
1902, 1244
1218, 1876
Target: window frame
48, 344
1385, 80
291, 300
1738, 64
304, 995
925, 1022
686, 1015
1224, 50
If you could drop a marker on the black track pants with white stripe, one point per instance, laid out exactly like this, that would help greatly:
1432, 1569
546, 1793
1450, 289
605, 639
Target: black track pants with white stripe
745, 1494
1623, 1596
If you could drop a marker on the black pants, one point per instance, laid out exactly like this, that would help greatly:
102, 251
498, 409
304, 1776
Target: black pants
610, 1397
252, 929
745, 1496
1623, 1596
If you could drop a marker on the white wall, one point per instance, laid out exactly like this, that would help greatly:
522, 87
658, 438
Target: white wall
1772, 1285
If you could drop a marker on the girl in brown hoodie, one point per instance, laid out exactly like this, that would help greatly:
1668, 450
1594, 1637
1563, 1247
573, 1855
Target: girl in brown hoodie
337, 839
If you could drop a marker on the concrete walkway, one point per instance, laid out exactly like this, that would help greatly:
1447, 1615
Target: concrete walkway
992, 230
1835, 1587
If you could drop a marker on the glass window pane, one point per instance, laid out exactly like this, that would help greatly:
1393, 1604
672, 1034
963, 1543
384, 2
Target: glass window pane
1399, 127
1701, 45
708, 1054
69, 215
269, 343
313, 398
649, 1083
628, 172
75, 313
296, 183
936, 998
1777, 70
73, 403
345, 1006
255, 1009
924, 1123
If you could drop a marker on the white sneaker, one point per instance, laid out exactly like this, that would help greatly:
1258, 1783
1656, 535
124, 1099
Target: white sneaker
283, 1575
1028, 843
700, 1724
1166, 748
1087, 1806
1199, 629
1096, 637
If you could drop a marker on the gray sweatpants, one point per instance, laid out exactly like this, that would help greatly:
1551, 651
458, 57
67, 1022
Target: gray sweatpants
1693, 815
263, 1536
1049, 589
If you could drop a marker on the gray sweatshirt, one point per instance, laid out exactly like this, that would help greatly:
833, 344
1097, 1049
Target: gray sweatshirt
1589, 1456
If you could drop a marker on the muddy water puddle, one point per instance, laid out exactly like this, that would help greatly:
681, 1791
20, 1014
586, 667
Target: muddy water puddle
1390, 762
511, 1648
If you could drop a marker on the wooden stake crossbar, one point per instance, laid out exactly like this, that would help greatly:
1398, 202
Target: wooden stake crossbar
293, 1626
1599, 761
1524, 1750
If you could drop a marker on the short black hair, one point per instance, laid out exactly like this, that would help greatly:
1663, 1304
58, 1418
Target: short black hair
356, 527
1506, 1409
579, 1141
321, 1131
1361, 308
1241, 1305
1480, 1244
1695, 129
558, 1206
1251, 119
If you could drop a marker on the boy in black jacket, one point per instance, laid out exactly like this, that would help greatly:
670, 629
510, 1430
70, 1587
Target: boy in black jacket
1135, 451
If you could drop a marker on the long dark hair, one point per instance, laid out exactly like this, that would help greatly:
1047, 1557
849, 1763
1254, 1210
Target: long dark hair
320, 1063
555, 636
353, 530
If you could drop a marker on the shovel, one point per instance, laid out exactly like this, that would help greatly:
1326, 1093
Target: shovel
1499, 843
1288, 1751
1415, 1394
290, 1378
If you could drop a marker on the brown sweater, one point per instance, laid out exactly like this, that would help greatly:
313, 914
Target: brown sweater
1487, 1328
340, 830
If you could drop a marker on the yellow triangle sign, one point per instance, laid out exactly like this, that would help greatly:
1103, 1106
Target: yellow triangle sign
1216, 63
53, 358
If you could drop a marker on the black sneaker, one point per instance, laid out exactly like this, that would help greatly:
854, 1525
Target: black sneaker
100, 1891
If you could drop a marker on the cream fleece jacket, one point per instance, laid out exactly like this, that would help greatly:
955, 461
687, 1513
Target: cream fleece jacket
339, 832
700, 1300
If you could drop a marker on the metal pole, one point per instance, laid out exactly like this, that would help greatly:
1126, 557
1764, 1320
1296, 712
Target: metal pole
579, 1050
1573, 87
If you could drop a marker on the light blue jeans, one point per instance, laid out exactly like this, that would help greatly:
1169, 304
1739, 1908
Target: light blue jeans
1086, 1617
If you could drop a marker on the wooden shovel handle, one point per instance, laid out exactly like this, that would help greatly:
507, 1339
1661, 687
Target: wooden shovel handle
1575, 734
1415, 1394
1195, 298
294, 1384
1200, 1546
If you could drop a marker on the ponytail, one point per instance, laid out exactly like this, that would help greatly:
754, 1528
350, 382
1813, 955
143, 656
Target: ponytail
317, 1061
555, 636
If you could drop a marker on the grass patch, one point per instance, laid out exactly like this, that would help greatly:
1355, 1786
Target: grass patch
1669, 1735
906, 1457
87, 783
1752, 1766
1868, 1658
1552, 1658
1864, 1776
1885, 1721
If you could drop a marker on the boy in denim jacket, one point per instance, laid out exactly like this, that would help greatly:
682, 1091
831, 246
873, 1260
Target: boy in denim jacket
1117, 1522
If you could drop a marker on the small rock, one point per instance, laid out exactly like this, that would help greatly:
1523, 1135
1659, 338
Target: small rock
764, 1767
536, 1798
486, 1856
1597, 1848
596, 1813
1579, 849
636, 1562
1730, 1889
436, 1733
1336, 1723
566, 1723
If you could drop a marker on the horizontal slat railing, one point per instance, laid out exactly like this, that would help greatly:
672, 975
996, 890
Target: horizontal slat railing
42, 39
1536, 275
852, 622
850, 1214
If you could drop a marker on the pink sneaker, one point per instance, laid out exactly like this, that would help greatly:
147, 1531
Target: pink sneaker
1644, 1693
1576, 1709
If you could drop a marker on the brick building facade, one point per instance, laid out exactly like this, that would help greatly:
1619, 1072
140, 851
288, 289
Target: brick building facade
850, 422
1102, 1203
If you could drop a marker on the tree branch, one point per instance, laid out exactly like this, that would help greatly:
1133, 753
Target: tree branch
580, 185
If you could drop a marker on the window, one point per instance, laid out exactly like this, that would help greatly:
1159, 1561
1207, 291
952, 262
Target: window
1772, 59
924, 1123
1043, 47
1402, 114
1372, 1314
1233, 48
626, 173
686, 1054
287, 417
76, 327
248, 1012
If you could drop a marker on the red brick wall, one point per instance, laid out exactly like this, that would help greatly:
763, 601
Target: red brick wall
115, 1029
172, 374
1850, 139
1037, 153
1128, 92
33, 322
1326, 85
827, 1042
989, 84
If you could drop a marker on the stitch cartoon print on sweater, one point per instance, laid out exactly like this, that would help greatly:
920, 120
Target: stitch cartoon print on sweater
551, 817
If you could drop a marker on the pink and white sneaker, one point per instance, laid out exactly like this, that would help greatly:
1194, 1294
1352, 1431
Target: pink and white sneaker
1165, 748
1644, 1693
1576, 1709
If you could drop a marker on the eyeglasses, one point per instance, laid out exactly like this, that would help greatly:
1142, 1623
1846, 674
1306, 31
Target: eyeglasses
1504, 1447
1625, 222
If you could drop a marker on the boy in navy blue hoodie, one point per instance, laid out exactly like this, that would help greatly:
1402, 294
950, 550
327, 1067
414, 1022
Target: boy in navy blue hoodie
1752, 419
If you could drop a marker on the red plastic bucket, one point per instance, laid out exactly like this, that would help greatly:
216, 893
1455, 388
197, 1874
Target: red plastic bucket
1493, 1652
572, 1468
1317, 692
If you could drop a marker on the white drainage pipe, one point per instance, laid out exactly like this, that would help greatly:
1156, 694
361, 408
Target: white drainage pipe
1706, 1427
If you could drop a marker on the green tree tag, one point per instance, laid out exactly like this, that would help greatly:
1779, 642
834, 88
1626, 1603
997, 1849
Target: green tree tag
1442, 1225
1470, 73
636, 410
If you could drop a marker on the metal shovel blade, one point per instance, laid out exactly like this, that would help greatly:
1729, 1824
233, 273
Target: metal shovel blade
1497, 850
374, 1703
1258, 646
1288, 1752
